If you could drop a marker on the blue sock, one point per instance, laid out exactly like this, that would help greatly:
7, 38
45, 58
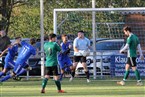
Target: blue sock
61, 75
1, 74
8, 73
5, 78
21, 72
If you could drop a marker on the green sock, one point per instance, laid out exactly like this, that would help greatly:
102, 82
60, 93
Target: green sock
126, 75
44, 82
137, 75
58, 84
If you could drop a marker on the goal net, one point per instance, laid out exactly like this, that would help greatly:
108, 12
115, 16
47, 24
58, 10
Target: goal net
109, 23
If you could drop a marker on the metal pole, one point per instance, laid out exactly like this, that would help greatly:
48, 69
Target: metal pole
101, 65
94, 38
54, 22
101, 9
42, 37
27, 76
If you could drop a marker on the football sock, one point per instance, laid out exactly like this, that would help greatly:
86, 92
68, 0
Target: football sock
1, 74
126, 75
21, 72
58, 84
137, 74
87, 74
61, 75
9, 72
5, 78
73, 73
44, 82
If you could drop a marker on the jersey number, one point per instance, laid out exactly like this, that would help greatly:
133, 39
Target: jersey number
24, 51
49, 51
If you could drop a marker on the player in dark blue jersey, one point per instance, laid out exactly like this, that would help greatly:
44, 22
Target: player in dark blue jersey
64, 61
12, 51
26, 51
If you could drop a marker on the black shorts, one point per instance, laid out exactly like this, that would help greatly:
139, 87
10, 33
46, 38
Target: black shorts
51, 70
131, 61
79, 59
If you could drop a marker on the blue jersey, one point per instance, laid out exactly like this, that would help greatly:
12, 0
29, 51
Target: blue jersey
25, 52
64, 48
11, 53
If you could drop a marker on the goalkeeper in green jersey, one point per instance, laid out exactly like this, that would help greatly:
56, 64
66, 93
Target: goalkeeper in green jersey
51, 49
132, 45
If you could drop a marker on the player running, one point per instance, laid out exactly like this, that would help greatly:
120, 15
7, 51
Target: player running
63, 59
51, 49
26, 51
132, 45
9, 59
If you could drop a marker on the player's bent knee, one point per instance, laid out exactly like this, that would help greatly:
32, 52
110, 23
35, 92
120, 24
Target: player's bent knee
47, 76
13, 74
56, 77
71, 67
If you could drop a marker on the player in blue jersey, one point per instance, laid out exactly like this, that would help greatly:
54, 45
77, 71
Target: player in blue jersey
64, 61
12, 51
26, 51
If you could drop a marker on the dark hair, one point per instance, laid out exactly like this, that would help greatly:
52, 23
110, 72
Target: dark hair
45, 37
127, 28
17, 37
32, 41
63, 35
58, 37
52, 36
38, 39
81, 31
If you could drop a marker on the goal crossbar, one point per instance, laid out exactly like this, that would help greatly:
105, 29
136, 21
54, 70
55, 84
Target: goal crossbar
102, 9
90, 9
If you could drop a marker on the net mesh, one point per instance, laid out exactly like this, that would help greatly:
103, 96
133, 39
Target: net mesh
108, 25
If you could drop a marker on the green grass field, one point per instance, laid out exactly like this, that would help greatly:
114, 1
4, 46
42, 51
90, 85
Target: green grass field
78, 88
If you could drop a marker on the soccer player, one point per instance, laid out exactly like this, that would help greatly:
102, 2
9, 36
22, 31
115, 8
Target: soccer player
4, 41
51, 48
26, 51
63, 59
132, 45
9, 59
81, 44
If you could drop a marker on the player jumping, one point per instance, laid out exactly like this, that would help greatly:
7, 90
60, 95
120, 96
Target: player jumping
26, 51
63, 59
9, 59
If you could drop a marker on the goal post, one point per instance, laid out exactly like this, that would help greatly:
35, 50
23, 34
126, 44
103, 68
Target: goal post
105, 24
89, 9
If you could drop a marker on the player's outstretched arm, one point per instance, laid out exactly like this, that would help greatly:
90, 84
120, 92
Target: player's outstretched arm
65, 52
124, 48
3, 52
140, 52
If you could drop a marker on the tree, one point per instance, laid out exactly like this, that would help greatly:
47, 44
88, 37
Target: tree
21, 17
5, 11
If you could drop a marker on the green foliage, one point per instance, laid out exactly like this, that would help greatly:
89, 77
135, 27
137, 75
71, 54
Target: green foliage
25, 21
25, 16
